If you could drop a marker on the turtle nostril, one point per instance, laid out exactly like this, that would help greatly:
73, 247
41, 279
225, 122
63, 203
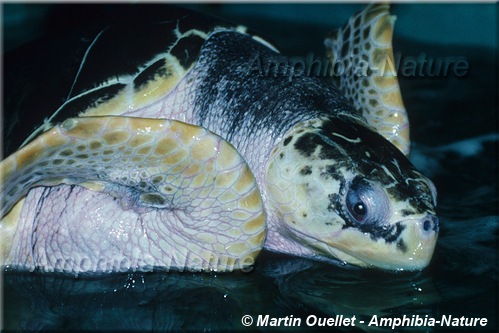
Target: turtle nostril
427, 226
431, 223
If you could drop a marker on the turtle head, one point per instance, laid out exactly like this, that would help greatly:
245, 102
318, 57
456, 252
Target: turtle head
343, 191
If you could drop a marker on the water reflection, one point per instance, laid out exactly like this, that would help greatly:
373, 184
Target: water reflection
153, 301
279, 286
328, 291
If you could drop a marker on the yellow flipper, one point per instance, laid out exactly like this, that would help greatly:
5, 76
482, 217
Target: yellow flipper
159, 165
364, 70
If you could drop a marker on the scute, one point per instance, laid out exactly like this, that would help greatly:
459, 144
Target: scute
363, 48
106, 97
107, 57
118, 68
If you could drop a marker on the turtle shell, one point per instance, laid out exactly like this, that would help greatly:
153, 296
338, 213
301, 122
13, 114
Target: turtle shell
103, 70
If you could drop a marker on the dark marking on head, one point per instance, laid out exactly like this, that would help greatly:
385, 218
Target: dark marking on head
334, 199
307, 143
402, 246
326, 153
389, 233
330, 171
306, 170
406, 212
381, 152
416, 192
287, 140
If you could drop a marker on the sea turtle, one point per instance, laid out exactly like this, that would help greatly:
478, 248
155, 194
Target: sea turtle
186, 144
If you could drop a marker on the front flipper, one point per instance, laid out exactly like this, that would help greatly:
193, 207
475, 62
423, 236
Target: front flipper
205, 192
364, 70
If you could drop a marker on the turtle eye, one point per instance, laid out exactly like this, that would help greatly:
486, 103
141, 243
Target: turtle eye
356, 207
366, 203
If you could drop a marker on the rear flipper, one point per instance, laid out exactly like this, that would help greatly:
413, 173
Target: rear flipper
197, 180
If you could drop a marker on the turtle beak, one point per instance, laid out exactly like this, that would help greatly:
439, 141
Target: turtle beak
421, 238
412, 252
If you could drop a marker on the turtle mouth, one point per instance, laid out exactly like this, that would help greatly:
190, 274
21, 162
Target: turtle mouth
411, 251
